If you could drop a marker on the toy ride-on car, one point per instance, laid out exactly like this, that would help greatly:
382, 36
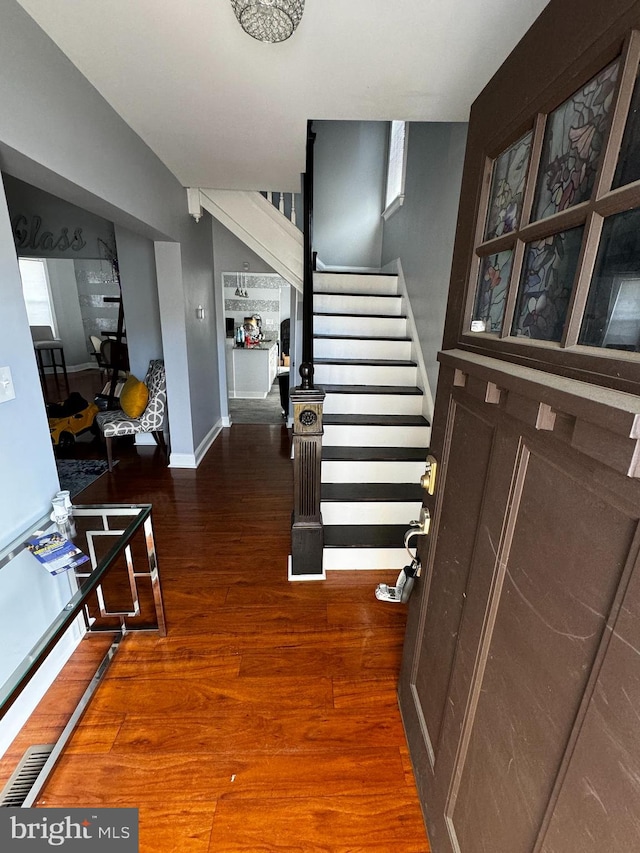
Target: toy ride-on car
70, 418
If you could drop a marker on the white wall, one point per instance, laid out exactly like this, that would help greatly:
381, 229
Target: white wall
422, 231
349, 179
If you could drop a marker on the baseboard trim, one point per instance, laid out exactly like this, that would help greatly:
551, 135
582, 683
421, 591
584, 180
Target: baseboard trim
293, 577
226, 422
192, 460
182, 460
207, 441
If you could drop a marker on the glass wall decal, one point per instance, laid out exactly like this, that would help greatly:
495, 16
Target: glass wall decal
507, 188
628, 168
612, 316
545, 285
572, 146
493, 281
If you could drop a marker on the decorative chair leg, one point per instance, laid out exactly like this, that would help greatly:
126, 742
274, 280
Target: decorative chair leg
108, 440
159, 439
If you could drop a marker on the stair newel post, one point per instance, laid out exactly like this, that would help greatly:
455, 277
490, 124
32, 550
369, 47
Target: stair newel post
307, 538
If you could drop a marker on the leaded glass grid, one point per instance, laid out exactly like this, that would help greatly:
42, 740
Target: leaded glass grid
545, 285
493, 282
628, 168
573, 144
507, 188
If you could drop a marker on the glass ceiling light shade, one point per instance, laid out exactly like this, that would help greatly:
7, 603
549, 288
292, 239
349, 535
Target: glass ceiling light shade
269, 20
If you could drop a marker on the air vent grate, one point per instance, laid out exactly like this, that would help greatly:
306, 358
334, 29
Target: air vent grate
23, 778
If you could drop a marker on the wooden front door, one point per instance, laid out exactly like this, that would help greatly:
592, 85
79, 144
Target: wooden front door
520, 686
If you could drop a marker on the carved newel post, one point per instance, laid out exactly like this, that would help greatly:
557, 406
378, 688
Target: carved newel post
306, 529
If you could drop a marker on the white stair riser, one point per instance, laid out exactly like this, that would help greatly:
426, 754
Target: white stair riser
338, 304
373, 404
371, 471
364, 374
384, 327
336, 559
335, 283
338, 435
369, 512
362, 348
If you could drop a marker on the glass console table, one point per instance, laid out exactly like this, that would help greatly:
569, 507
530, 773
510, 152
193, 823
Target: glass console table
117, 590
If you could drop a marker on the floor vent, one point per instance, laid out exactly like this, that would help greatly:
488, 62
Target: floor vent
23, 778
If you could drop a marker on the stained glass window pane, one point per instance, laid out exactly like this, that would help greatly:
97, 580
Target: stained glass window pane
507, 188
493, 281
545, 285
573, 143
628, 168
612, 315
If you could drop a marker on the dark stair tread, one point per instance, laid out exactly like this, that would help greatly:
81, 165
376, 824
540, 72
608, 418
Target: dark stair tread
376, 420
364, 535
357, 293
363, 316
374, 454
372, 492
358, 338
368, 362
353, 272
372, 389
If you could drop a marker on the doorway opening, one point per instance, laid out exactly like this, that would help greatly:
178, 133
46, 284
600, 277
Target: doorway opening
257, 311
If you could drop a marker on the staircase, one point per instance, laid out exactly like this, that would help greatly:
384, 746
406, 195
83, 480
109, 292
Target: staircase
375, 434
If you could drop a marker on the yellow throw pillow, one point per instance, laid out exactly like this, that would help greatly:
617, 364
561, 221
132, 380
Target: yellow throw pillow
134, 397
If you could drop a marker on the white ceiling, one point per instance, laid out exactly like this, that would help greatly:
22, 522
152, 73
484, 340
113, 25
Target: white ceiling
223, 110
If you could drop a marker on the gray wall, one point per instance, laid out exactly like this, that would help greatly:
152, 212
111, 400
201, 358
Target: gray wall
230, 253
137, 265
201, 334
27, 202
60, 135
349, 179
421, 233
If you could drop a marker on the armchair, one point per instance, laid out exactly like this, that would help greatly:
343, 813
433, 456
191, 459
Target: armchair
116, 423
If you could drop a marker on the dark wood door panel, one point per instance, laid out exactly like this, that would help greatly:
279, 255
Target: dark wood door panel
553, 587
596, 808
466, 457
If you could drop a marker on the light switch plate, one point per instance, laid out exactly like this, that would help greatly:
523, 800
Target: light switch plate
7, 391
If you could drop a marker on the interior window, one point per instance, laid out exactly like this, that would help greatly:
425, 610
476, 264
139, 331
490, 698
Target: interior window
37, 293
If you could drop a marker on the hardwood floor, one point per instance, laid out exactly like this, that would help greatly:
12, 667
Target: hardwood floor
267, 719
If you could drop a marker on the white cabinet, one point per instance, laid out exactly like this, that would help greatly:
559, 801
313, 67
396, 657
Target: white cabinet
252, 371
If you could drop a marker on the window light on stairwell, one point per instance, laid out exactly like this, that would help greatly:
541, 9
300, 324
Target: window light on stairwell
396, 166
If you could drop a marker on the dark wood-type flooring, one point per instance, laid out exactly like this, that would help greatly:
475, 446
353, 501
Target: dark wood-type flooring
267, 719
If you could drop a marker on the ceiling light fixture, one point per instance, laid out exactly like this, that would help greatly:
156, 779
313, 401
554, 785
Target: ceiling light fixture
269, 20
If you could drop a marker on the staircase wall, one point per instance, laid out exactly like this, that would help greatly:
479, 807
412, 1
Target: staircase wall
421, 233
349, 179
